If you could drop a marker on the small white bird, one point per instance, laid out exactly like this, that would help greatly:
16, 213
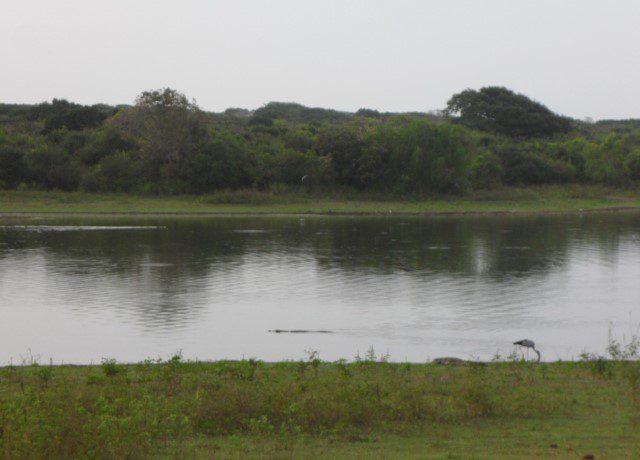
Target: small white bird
526, 343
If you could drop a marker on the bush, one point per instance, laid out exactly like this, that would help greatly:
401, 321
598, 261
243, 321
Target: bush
608, 162
104, 142
222, 163
52, 168
292, 167
632, 163
572, 152
13, 169
525, 168
115, 173
425, 157
61, 114
346, 146
486, 171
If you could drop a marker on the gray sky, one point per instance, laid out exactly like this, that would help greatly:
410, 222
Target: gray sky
581, 58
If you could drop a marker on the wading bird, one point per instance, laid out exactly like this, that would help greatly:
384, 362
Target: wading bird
526, 343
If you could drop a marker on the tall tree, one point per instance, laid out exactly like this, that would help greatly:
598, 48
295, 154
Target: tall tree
170, 128
500, 110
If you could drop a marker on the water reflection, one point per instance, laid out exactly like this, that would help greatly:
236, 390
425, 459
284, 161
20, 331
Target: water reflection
134, 287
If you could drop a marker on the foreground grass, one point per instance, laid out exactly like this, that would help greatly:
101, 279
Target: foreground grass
530, 199
318, 409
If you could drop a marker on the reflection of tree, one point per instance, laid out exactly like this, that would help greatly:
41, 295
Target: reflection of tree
497, 247
174, 266
492, 246
158, 273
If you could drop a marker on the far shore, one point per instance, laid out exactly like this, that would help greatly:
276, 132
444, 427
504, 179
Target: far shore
505, 201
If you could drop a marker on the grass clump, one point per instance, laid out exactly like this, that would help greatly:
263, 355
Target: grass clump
111, 368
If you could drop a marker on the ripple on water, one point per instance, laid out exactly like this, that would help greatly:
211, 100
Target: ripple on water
68, 228
250, 231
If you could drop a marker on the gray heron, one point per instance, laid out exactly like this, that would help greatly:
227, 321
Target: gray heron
526, 343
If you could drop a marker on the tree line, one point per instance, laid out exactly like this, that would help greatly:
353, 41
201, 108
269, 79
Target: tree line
164, 143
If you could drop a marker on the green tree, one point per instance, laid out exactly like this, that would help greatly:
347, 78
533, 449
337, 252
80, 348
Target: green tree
572, 151
52, 168
427, 157
103, 142
118, 172
632, 162
486, 171
607, 162
502, 111
12, 166
223, 162
523, 165
62, 114
351, 152
169, 128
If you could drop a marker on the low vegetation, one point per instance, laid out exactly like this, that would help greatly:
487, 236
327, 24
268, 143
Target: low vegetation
369, 406
573, 198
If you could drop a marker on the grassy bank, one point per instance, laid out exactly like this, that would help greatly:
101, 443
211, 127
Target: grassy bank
314, 408
530, 199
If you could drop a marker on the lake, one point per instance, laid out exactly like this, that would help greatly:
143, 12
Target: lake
77, 289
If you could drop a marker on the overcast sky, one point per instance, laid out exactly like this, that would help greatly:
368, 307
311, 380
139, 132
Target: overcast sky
581, 58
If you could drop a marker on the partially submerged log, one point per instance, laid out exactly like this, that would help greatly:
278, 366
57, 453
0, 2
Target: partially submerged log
299, 331
450, 361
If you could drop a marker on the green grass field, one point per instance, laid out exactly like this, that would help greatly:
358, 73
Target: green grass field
317, 409
530, 199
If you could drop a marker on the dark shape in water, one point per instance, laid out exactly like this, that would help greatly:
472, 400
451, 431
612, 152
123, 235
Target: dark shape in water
450, 361
299, 331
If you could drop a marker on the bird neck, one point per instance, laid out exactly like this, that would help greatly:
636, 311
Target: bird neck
537, 353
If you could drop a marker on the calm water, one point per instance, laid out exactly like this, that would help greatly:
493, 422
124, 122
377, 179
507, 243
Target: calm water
78, 289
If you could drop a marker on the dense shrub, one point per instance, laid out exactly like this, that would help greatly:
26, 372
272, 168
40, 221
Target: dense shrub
430, 157
632, 163
118, 172
52, 168
13, 169
224, 162
61, 114
104, 142
605, 162
346, 145
486, 171
525, 168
